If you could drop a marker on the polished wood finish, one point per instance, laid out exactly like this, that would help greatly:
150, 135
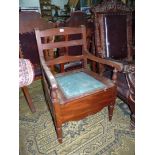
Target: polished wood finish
65, 109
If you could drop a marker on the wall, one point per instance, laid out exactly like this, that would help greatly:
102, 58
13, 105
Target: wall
36, 4
29, 3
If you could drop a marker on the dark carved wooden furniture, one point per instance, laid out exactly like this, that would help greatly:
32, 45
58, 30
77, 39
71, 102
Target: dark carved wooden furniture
114, 40
75, 94
113, 30
28, 20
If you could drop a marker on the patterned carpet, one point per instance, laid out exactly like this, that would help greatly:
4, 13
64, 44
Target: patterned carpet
94, 135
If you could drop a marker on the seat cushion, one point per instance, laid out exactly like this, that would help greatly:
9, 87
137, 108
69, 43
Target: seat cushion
78, 83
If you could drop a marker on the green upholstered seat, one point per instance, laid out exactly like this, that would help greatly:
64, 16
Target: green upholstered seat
78, 83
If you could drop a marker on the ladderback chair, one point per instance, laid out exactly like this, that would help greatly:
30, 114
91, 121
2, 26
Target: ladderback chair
79, 93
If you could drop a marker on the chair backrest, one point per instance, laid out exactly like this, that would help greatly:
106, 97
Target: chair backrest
113, 30
57, 43
76, 19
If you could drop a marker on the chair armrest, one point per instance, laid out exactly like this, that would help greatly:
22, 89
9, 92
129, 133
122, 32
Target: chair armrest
50, 77
111, 63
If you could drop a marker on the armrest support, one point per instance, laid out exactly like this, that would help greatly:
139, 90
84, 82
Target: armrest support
49, 75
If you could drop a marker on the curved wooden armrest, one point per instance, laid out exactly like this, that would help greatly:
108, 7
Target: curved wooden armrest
118, 66
49, 75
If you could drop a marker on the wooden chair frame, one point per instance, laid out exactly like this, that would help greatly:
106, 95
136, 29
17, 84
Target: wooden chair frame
76, 108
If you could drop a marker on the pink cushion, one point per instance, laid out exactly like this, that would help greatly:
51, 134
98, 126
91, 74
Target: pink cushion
26, 72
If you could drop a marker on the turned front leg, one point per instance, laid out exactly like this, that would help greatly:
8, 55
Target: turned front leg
59, 132
110, 110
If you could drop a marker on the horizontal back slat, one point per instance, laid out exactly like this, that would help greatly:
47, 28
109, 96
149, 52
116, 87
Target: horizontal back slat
62, 44
59, 42
65, 59
60, 31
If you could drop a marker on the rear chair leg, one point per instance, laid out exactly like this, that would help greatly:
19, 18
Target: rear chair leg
28, 98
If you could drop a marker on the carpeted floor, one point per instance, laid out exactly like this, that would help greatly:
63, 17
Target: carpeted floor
94, 135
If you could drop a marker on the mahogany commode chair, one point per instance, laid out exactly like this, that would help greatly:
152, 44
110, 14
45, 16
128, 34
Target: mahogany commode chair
79, 93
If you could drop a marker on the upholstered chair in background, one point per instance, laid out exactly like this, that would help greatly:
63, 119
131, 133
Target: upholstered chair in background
26, 77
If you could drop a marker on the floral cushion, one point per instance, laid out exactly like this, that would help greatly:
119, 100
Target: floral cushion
26, 72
